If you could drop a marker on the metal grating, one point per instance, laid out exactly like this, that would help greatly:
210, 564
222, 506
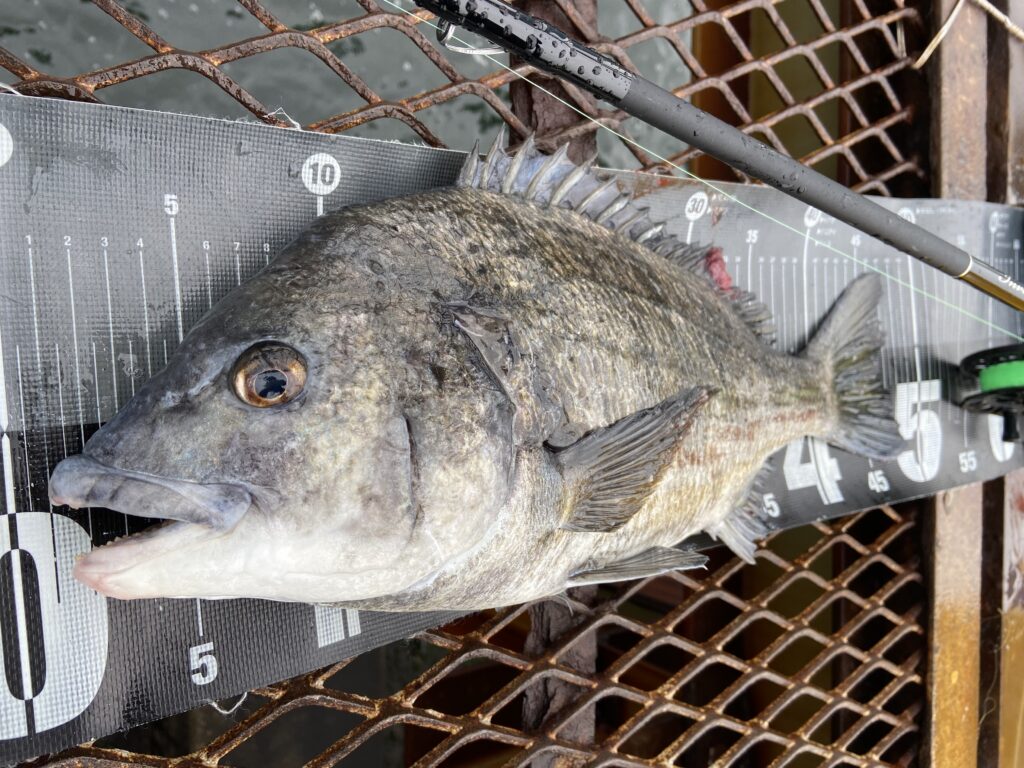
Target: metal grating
818, 79
811, 657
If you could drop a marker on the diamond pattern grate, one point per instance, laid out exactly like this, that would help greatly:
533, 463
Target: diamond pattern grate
824, 81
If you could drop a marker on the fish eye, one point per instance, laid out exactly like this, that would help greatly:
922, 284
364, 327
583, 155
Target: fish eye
269, 373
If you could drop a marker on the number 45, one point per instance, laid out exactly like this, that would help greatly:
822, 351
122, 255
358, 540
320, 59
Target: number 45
877, 481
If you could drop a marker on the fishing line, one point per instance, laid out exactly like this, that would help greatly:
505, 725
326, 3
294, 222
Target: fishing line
764, 214
985, 5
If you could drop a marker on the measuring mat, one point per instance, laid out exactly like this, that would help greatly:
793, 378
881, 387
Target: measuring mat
119, 228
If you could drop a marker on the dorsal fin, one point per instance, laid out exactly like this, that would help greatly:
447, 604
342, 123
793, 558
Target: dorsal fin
557, 180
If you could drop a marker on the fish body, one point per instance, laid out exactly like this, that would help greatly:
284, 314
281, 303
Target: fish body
468, 398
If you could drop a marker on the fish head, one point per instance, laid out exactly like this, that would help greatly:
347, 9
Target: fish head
299, 445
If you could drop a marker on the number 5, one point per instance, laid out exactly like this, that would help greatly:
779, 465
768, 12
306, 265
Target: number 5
921, 462
203, 663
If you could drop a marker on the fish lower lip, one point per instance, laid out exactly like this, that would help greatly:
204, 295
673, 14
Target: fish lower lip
82, 481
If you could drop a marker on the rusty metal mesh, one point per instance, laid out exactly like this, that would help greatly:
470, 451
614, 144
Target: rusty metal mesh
818, 79
812, 656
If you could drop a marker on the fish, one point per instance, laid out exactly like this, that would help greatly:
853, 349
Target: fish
468, 398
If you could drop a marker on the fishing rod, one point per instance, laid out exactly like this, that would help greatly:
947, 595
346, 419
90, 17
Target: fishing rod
548, 48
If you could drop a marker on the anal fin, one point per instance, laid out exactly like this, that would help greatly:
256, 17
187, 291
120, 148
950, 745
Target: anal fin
741, 529
611, 472
650, 562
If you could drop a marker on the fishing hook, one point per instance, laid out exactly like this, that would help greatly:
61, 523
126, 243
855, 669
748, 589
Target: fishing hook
445, 30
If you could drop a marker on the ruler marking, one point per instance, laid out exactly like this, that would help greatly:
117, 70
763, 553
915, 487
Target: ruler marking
74, 336
35, 310
24, 422
209, 284
131, 362
39, 357
8, 461
1015, 244
110, 327
96, 378
145, 312
750, 267
991, 256
815, 292
915, 341
177, 278
799, 301
806, 304
889, 307
60, 398
1016, 273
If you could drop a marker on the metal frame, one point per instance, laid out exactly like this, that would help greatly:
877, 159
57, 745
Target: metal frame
977, 646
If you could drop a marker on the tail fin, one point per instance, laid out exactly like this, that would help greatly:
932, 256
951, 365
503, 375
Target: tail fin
848, 344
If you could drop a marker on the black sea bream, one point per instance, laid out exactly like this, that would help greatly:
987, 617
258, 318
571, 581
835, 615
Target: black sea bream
468, 398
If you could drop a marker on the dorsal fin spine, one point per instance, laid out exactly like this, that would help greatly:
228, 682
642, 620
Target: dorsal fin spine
614, 207
508, 183
570, 181
542, 174
650, 232
584, 205
468, 173
556, 181
491, 159
626, 225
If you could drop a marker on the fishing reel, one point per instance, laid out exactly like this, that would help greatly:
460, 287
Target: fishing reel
1000, 376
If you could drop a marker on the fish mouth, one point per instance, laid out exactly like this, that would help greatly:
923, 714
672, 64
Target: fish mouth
82, 481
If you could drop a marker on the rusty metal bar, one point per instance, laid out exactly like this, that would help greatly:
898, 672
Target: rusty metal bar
954, 663
959, 86
1010, 651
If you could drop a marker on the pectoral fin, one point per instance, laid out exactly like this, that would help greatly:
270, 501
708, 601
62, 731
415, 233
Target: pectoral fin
611, 471
651, 562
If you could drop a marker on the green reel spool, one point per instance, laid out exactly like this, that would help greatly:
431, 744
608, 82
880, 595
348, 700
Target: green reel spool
1000, 377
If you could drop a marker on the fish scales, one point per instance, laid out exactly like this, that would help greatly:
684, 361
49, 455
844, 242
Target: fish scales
468, 398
